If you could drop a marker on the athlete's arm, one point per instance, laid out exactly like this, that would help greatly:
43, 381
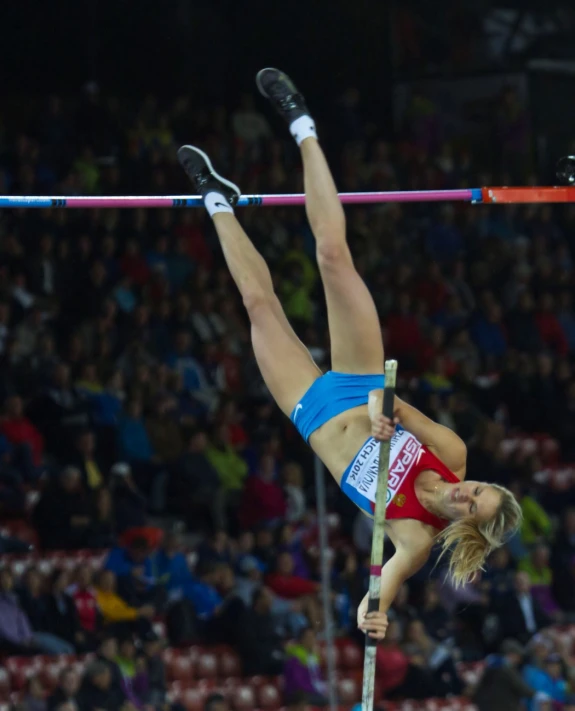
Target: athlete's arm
402, 565
441, 440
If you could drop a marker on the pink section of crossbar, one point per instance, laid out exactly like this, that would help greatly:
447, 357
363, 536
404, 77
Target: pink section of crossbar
366, 198
103, 202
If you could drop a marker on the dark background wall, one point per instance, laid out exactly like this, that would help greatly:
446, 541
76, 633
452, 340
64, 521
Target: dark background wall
203, 46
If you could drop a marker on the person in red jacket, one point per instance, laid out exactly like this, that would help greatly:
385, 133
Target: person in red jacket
287, 585
84, 596
403, 336
263, 500
18, 429
550, 329
134, 265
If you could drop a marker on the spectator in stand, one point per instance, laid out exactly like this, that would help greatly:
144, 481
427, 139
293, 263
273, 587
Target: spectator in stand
287, 585
501, 688
550, 330
129, 503
221, 626
541, 578
292, 478
399, 676
21, 433
191, 370
522, 325
164, 431
216, 702
536, 525
134, 672
195, 483
520, 615
566, 318
117, 613
488, 333
498, 576
546, 675
402, 610
107, 653
171, 567
96, 691
434, 616
403, 336
66, 692
61, 614
88, 462
134, 445
84, 597
563, 562
63, 515
435, 656
232, 469
133, 264
218, 548
34, 696
59, 412
263, 500
258, 642
248, 124
132, 565
206, 322
16, 633
302, 670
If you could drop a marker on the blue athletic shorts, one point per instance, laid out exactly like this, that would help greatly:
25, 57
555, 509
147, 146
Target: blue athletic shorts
331, 395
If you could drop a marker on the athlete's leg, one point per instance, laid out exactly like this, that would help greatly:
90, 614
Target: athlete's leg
355, 332
285, 364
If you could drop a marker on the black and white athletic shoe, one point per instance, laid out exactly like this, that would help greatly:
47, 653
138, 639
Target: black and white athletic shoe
283, 94
200, 171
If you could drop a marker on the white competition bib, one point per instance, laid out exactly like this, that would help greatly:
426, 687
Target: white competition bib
405, 451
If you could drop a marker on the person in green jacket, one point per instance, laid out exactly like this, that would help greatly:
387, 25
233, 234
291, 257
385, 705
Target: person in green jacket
535, 527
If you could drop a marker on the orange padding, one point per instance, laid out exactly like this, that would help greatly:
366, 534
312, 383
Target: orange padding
515, 195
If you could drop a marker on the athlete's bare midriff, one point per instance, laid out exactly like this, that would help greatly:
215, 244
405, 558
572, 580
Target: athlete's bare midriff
337, 442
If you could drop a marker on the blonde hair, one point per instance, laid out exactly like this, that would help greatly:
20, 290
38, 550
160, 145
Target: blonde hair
470, 542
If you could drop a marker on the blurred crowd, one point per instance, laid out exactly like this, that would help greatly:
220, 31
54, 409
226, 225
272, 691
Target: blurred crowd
129, 394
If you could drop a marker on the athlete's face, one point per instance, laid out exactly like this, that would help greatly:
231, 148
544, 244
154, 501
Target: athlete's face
471, 498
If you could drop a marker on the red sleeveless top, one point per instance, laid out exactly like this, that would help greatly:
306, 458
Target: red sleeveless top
405, 503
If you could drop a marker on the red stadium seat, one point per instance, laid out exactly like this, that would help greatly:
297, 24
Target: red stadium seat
243, 698
180, 668
350, 655
229, 663
4, 683
206, 665
20, 669
193, 698
348, 691
268, 697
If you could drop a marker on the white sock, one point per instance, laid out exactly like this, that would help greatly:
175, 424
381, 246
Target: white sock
302, 128
216, 202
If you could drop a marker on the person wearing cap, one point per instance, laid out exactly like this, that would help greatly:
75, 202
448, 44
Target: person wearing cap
502, 688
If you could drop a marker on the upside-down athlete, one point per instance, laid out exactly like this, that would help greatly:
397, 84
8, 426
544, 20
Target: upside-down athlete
339, 413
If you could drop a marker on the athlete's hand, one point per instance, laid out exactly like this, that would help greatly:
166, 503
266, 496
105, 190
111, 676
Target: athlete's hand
382, 427
373, 624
